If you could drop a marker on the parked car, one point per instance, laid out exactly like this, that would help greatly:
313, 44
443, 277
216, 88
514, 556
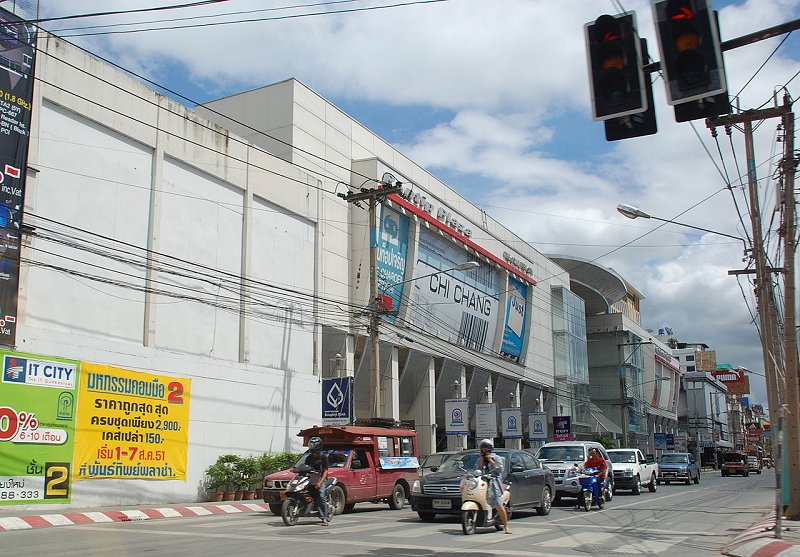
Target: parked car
632, 470
734, 463
564, 457
532, 485
369, 464
677, 467
432, 462
754, 464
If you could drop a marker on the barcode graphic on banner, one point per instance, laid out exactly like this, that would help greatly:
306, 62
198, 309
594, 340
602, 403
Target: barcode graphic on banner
472, 331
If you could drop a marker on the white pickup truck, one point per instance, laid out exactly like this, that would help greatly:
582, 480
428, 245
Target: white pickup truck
632, 470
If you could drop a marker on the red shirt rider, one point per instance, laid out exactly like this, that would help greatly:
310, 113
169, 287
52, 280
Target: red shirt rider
598, 462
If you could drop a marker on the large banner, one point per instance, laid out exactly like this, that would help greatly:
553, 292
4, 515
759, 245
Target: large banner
17, 56
512, 423
131, 425
562, 428
514, 332
392, 250
537, 426
38, 397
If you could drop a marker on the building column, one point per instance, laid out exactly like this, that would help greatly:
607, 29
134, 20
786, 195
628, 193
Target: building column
424, 410
392, 400
458, 442
514, 400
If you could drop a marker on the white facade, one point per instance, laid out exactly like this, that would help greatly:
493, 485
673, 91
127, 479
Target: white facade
162, 241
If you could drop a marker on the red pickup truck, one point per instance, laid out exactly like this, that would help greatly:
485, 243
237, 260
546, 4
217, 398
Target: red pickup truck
370, 464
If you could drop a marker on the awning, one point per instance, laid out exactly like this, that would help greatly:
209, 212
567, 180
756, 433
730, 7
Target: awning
600, 423
724, 444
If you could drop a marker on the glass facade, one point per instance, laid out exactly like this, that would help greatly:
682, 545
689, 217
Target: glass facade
569, 336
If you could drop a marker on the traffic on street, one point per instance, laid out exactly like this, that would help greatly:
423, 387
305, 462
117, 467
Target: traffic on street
677, 519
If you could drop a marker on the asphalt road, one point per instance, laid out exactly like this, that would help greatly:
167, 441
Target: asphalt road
677, 520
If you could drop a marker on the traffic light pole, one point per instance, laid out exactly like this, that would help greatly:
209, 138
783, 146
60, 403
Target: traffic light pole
372, 196
780, 394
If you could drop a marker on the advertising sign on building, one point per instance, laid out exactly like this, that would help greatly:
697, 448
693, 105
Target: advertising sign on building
670, 442
562, 428
337, 401
737, 382
38, 400
680, 442
705, 360
456, 412
537, 426
460, 307
512, 423
392, 250
486, 421
18, 53
660, 440
131, 425
516, 312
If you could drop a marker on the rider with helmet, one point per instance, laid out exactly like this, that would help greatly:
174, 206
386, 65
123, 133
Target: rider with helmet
597, 462
319, 462
492, 465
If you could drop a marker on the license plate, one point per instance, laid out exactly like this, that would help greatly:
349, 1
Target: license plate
441, 504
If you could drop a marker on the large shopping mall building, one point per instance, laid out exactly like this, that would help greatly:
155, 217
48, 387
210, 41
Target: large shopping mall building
218, 245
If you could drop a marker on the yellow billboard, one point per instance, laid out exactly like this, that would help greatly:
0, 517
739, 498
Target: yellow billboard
131, 425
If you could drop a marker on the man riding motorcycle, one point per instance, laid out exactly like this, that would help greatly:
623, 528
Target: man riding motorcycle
597, 462
319, 462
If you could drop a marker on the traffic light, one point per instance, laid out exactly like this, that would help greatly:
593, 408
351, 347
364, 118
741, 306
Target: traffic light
615, 67
641, 123
691, 58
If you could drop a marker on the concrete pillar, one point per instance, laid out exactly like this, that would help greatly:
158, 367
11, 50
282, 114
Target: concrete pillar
392, 401
458, 442
423, 409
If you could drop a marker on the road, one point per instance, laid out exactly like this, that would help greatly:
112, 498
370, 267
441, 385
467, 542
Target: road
694, 520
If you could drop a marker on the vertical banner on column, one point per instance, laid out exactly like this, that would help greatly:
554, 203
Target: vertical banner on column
337, 401
17, 56
392, 250
131, 425
562, 428
512, 423
514, 332
485, 421
38, 396
537, 426
456, 414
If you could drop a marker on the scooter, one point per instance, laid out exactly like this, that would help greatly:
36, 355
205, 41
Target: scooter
590, 490
301, 495
475, 508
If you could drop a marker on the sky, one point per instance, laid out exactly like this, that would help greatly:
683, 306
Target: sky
492, 97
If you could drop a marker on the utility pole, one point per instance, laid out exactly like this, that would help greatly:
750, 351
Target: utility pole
779, 393
372, 196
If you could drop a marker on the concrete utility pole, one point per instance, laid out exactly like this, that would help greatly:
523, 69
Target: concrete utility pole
372, 196
779, 392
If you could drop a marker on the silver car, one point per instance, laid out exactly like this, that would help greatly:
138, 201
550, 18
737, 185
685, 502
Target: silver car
565, 457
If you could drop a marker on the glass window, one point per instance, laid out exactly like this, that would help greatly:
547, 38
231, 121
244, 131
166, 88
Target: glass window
561, 453
406, 446
530, 462
689, 368
689, 358
516, 460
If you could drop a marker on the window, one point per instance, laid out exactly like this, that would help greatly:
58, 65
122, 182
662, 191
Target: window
530, 462
406, 446
689, 368
689, 358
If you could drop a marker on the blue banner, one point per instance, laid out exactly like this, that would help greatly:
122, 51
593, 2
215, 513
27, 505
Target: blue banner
392, 250
660, 440
514, 332
337, 401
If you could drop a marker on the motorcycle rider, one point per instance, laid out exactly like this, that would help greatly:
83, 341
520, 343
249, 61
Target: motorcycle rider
319, 462
492, 465
597, 462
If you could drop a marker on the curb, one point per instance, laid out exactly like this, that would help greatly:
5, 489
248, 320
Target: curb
70, 519
758, 541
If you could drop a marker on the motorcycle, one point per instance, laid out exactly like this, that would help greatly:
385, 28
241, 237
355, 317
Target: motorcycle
590, 490
475, 508
301, 495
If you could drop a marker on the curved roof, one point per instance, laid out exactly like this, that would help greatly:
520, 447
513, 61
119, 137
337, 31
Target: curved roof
598, 286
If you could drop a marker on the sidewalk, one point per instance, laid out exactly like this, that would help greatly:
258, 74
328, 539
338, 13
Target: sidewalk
759, 540
12, 519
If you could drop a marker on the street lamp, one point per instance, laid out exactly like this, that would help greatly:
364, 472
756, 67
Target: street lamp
634, 213
376, 302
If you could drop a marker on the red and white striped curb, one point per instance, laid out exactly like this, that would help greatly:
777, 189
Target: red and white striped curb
760, 541
68, 519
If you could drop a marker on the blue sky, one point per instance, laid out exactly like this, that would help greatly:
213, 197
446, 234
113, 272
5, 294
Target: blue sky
492, 97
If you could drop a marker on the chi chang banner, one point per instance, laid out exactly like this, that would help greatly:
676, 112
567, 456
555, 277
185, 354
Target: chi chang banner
17, 55
131, 425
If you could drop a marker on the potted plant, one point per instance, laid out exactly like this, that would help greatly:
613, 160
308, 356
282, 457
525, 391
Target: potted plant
246, 470
214, 481
228, 463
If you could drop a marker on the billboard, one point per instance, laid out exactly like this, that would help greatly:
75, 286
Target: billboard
392, 250
456, 411
17, 57
734, 379
516, 313
460, 307
562, 428
337, 401
512, 423
537, 426
486, 421
38, 399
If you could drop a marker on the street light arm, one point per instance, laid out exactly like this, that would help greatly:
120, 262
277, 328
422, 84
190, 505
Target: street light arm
634, 212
